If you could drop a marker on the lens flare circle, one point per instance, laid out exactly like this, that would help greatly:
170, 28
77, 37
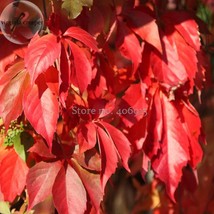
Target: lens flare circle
20, 21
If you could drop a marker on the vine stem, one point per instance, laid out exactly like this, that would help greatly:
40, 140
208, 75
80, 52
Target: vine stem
52, 6
45, 9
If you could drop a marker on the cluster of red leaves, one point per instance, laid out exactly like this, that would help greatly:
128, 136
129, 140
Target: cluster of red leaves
97, 93
193, 196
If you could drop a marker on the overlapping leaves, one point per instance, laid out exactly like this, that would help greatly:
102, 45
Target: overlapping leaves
132, 99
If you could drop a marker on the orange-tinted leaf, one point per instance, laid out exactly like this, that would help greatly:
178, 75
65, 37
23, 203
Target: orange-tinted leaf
13, 175
12, 86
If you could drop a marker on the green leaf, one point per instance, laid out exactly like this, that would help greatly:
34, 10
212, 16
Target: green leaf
74, 7
19, 148
205, 14
22, 143
1, 121
4, 207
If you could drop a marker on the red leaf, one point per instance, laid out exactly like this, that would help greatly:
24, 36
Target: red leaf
86, 136
13, 175
186, 54
12, 86
168, 69
145, 68
117, 79
137, 134
145, 26
3, 150
96, 21
41, 54
89, 160
65, 73
1, 195
174, 151
81, 74
98, 85
82, 36
185, 25
107, 108
121, 142
155, 130
108, 155
69, 194
92, 184
133, 104
41, 149
20, 52
192, 126
128, 44
52, 79
204, 71
40, 180
7, 56
189, 180
41, 109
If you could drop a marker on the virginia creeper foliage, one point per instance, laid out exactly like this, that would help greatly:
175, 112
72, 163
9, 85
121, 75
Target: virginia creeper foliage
104, 81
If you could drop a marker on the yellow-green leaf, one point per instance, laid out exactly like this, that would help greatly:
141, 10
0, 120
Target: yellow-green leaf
74, 7
4, 207
22, 143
